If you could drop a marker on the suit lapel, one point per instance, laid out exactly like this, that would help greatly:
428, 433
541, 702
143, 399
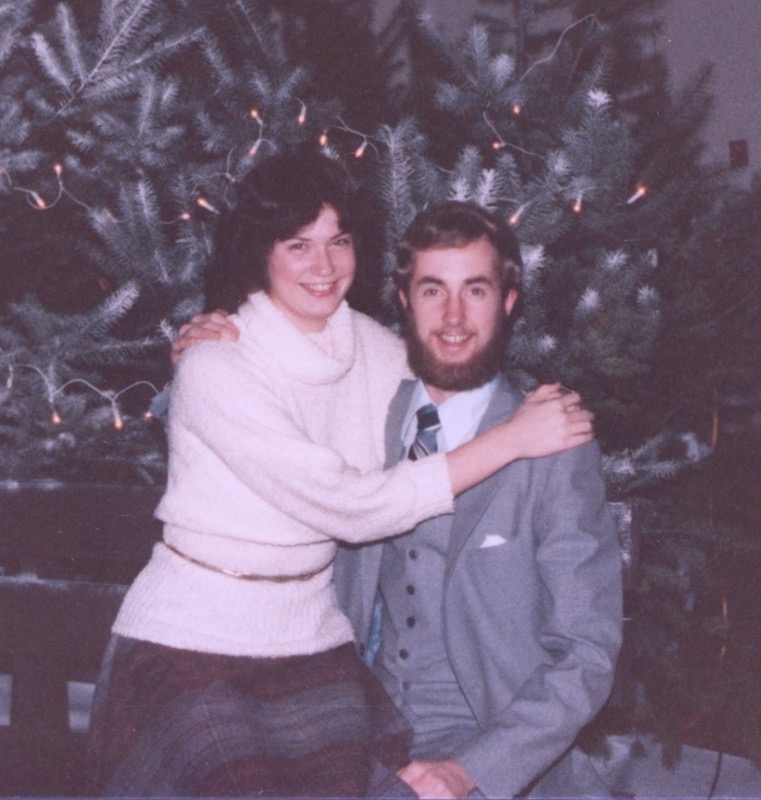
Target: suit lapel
397, 411
371, 555
471, 505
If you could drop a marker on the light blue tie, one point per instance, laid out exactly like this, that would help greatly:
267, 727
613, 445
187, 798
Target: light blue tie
428, 425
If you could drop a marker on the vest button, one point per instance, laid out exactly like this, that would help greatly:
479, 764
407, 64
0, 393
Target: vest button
410, 590
403, 654
410, 622
413, 554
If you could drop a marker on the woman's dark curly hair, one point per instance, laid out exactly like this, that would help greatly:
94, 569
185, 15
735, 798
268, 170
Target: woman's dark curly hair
277, 198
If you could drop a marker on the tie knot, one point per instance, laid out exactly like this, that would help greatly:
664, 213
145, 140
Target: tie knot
427, 425
427, 417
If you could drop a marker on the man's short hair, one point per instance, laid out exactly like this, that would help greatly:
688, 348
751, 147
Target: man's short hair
456, 224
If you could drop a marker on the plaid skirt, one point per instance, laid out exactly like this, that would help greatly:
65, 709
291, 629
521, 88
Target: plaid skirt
170, 722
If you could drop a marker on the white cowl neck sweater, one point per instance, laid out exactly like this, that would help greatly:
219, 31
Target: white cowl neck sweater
275, 448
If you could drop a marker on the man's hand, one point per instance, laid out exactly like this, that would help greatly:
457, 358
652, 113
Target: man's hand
437, 779
213, 326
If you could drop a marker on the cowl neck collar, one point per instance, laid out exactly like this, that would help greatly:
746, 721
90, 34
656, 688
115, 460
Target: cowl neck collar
318, 358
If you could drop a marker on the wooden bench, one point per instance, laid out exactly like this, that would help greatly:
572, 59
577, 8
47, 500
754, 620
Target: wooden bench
67, 552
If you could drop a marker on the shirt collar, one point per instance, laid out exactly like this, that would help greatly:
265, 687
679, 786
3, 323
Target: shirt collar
460, 414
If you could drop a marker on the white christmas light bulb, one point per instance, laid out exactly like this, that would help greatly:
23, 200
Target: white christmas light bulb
515, 217
640, 191
204, 203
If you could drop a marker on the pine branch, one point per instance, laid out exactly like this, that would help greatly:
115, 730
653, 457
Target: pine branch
15, 19
120, 35
51, 64
259, 34
159, 52
71, 39
487, 190
403, 143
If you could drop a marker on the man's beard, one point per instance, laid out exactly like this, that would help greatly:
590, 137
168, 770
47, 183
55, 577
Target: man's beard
470, 374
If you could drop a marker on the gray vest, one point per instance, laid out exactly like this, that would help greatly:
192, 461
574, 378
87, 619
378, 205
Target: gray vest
412, 662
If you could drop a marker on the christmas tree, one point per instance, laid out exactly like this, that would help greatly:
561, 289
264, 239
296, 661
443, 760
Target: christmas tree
574, 132
542, 134
123, 134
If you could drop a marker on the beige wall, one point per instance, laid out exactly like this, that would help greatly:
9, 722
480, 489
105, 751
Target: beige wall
728, 33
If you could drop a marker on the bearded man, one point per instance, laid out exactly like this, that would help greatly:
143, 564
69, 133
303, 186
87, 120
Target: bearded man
499, 624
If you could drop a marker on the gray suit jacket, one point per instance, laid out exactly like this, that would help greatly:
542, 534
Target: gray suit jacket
531, 615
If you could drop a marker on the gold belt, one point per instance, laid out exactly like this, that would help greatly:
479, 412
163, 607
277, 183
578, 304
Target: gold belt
245, 576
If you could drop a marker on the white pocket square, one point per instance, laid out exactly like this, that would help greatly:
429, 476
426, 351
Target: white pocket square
492, 540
